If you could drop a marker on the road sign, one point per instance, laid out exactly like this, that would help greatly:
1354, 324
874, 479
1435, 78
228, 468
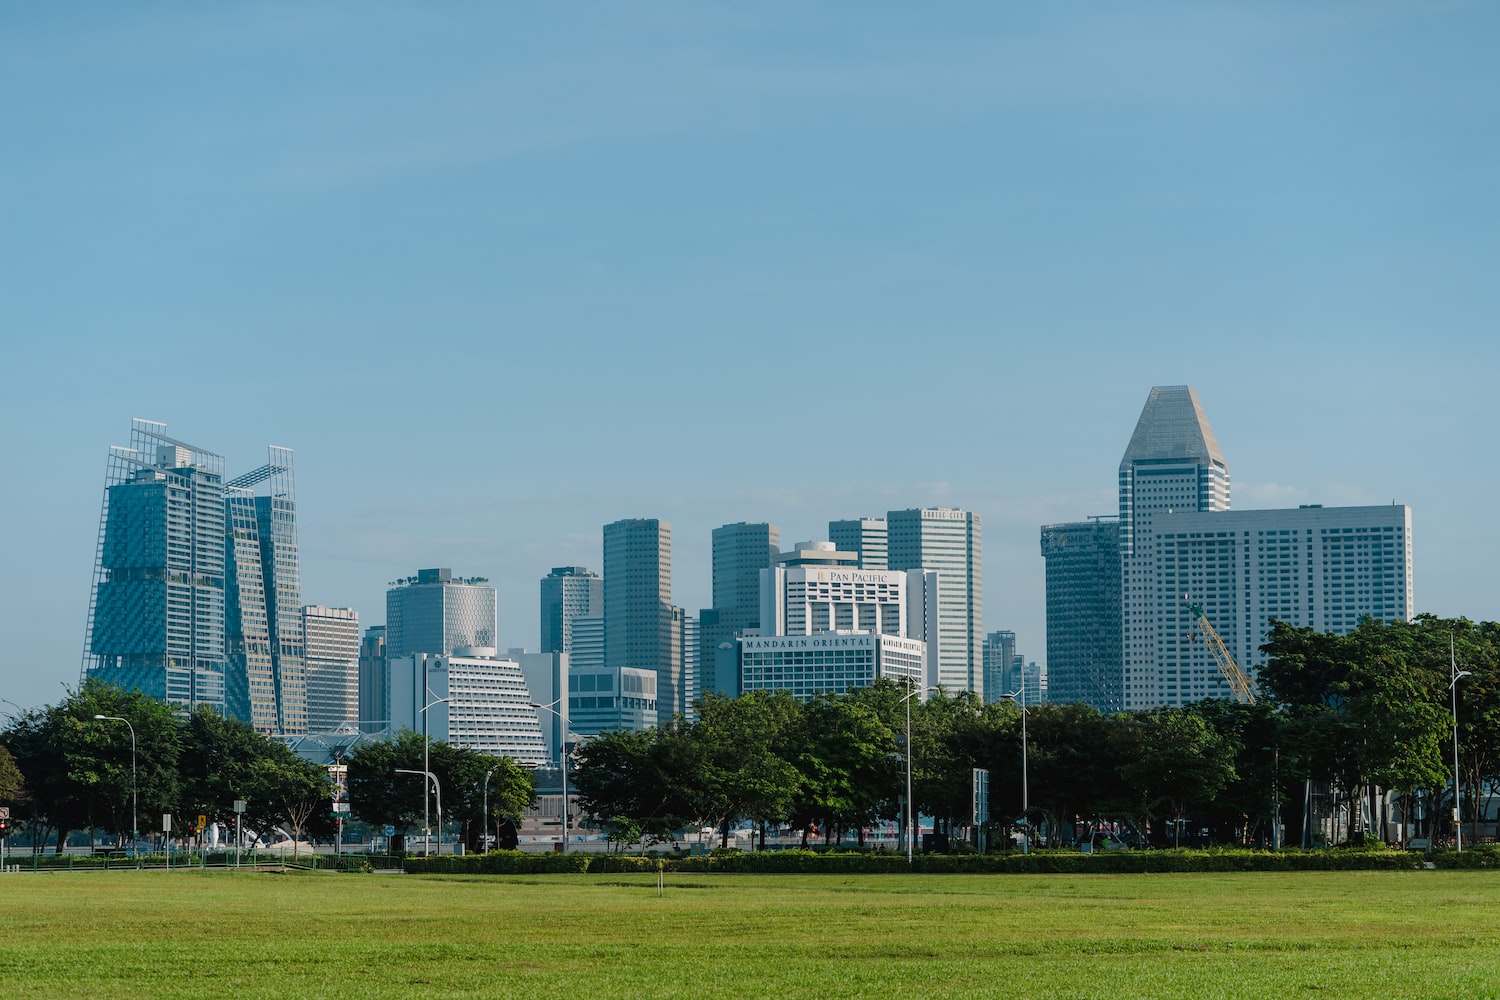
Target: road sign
239, 805
390, 831
341, 807
202, 821
4, 812
166, 822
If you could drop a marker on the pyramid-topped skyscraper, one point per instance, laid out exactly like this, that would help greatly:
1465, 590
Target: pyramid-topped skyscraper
1172, 464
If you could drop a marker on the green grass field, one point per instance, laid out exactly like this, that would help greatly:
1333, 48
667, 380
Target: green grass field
225, 934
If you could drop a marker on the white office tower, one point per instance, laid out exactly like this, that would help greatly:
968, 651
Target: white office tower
1172, 465
827, 627
1323, 568
332, 667
487, 705
947, 541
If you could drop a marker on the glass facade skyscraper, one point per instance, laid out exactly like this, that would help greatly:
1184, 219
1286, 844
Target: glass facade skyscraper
434, 613
156, 615
266, 640
568, 592
1083, 613
197, 597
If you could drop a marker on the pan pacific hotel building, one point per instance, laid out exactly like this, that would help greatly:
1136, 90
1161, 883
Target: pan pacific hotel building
829, 628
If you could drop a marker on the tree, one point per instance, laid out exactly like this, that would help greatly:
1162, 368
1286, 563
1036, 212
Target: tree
1183, 763
742, 748
377, 794
78, 768
380, 796
1366, 707
12, 782
645, 777
847, 762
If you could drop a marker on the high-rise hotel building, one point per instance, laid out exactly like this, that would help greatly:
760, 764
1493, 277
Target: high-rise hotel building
1323, 568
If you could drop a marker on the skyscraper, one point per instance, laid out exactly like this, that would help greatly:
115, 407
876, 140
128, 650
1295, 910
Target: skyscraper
568, 592
686, 626
948, 541
267, 676
638, 627
1083, 613
1172, 464
1000, 676
156, 614
740, 552
433, 612
333, 648
868, 537
197, 597
374, 682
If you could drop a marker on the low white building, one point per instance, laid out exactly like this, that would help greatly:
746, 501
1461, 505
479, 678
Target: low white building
486, 704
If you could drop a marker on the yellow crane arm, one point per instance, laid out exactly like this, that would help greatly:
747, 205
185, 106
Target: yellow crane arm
1239, 681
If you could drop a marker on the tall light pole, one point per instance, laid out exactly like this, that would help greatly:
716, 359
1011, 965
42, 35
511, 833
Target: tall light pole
1276, 795
134, 826
487, 776
563, 760
1019, 697
911, 811
427, 770
435, 787
1458, 675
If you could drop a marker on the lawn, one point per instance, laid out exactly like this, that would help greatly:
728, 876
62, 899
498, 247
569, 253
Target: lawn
230, 935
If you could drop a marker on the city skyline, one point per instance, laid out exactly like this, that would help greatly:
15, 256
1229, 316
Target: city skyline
504, 278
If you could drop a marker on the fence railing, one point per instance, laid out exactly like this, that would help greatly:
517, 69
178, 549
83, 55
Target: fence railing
26, 861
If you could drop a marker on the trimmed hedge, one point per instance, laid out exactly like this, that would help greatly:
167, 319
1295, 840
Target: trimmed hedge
1478, 856
801, 862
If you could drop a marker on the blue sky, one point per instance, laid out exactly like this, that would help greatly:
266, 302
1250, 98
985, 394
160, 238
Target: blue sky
501, 273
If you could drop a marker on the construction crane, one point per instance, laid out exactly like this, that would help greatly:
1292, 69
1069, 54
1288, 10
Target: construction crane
1239, 681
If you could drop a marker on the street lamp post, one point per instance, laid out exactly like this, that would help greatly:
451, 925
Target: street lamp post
911, 811
427, 769
134, 825
487, 776
1458, 675
1019, 697
435, 787
563, 760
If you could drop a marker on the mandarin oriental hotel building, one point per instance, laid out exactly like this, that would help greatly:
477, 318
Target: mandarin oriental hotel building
828, 662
